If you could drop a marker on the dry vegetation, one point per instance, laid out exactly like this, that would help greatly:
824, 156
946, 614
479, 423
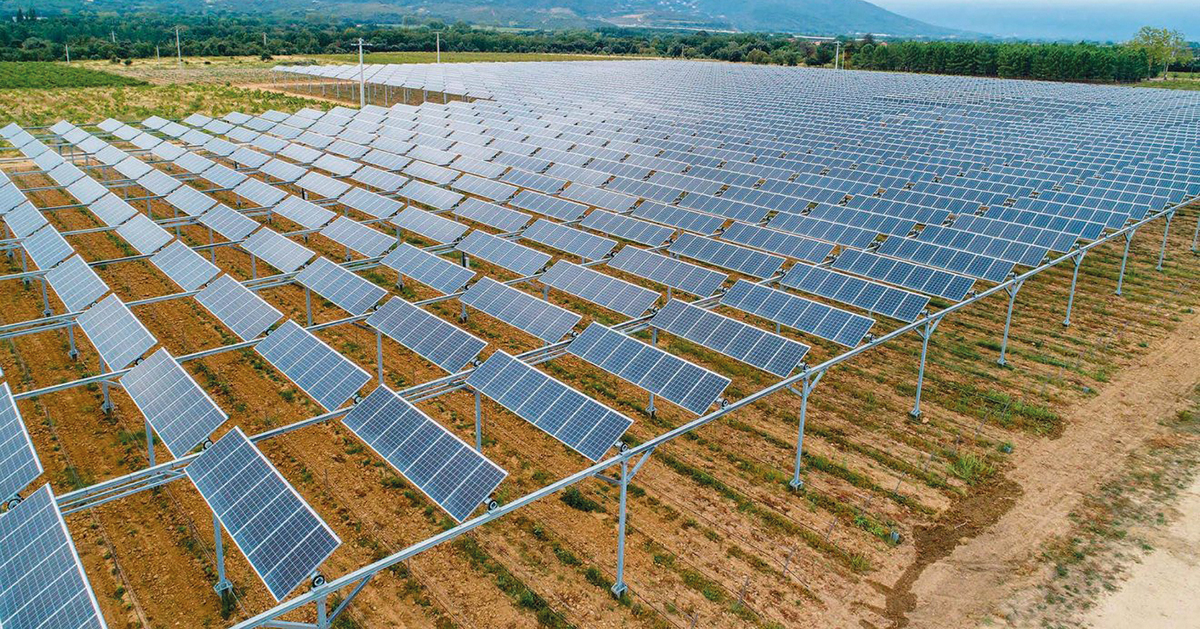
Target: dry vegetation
711, 515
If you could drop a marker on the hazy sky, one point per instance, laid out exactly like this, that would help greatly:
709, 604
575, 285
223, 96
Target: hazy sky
1054, 19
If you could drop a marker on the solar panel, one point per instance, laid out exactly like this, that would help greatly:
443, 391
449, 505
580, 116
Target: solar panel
770, 352
177, 408
19, 464
47, 247
553, 207
520, 309
633, 229
229, 223
282, 538
185, 267
44, 583
684, 276
112, 210
509, 255
303, 213
585, 245
901, 273
486, 188
322, 185
617, 295
727, 256
784, 244
583, 424
429, 195
76, 284
10, 197
879, 298
962, 262
429, 226
492, 215
190, 201
327, 376
25, 219
118, 336
370, 203
277, 250
441, 465
437, 273
348, 291
827, 322
434, 339
87, 190
144, 234
247, 314
259, 193
691, 387
358, 237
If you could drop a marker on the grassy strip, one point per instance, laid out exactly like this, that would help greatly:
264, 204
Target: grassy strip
511, 585
46, 74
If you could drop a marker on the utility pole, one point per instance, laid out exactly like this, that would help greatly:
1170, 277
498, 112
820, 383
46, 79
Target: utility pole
362, 84
157, 53
439, 46
178, 49
837, 54
68, 48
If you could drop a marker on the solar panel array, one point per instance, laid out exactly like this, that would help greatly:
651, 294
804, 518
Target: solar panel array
118, 336
44, 584
247, 314
520, 309
617, 295
348, 291
281, 536
19, 463
450, 472
321, 372
435, 340
827, 322
437, 273
583, 424
770, 352
509, 255
650, 368
177, 408
686, 277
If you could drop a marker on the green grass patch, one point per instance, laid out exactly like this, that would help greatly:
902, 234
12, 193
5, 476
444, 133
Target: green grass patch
47, 74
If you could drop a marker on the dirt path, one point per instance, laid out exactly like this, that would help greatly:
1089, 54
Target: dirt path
1052, 474
1160, 590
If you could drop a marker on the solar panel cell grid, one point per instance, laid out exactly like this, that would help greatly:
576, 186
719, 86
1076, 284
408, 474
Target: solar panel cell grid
429, 336
770, 352
327, 376
244, 312
520, 309
348, 291
177, 408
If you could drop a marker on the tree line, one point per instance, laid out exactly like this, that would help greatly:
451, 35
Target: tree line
143, 35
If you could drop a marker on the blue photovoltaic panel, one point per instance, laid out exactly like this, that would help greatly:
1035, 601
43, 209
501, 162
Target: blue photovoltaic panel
118, 336
327, 376
902, 273
568, 239
229, 223
492, 215
177, 408
281, 536
691, 387
431, 337
520, 309
370, 203
962, 262
76, 284
827, 322
633, 229
727, 256
358, 237
304, 213
684, 276
516, 258
770, 352
25, 219
19, 464
617, 295
348, 291
445, 469
47, 248
782, 243
43, 584
277, 250
553, 207
583, 424
871, 296
247, 314
144, 234
429, 226
437, 273
185, 267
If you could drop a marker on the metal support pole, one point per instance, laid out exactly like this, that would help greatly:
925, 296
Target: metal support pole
1125, 257
46, 311
619, 588
926, 332
379, 355
211, 242
308, 305
322, 613
1196, 234
223, 585
463, 316
478, 423
1012, 291
107, 406
1162, 252
1078, 260
650, 407
150, 442
253, 267
73, 352
807, 385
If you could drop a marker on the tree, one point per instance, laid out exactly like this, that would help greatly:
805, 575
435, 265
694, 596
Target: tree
1162, 47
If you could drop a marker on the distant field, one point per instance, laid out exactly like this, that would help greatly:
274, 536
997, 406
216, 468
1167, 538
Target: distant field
33, 106
460, 57
1172, 84
44, 74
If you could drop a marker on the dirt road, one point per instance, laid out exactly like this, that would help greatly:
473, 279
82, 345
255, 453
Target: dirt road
1053, 474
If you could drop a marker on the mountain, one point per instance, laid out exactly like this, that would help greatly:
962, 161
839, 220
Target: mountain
806, 17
